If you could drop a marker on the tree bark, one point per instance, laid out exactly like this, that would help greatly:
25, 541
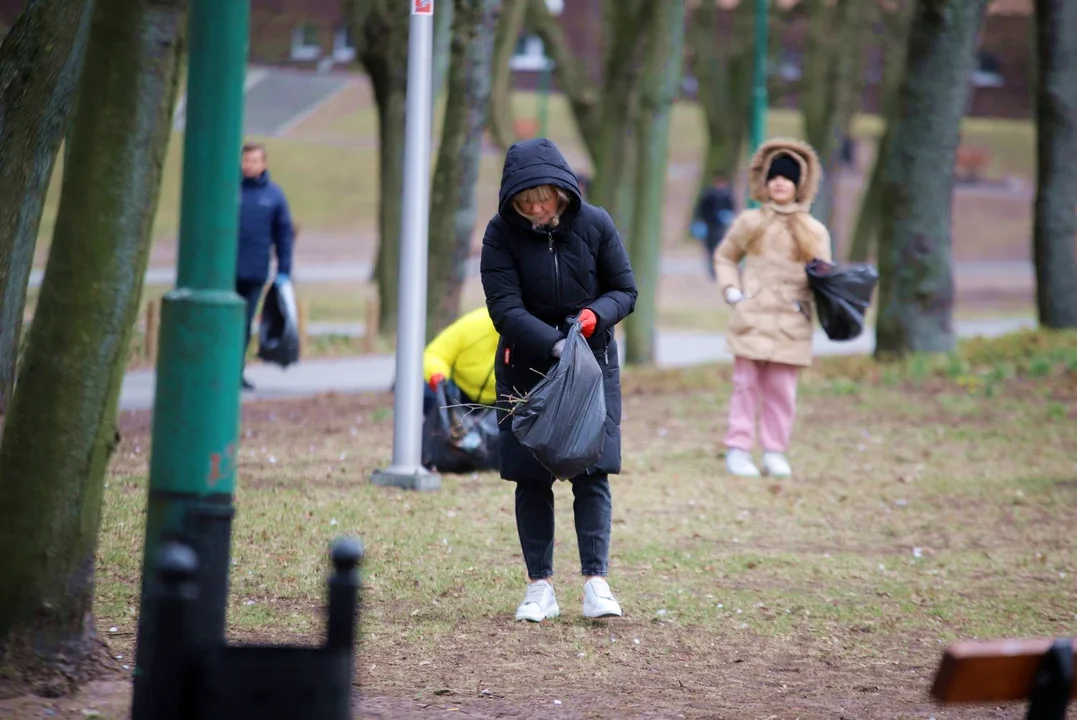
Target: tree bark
916, 290
583, 95
452, 196
833, 83
662, 75
62, 426
510, 23
1055, 234
443, 14
40, 61
895, 45
724, 73
381, 31
620, 78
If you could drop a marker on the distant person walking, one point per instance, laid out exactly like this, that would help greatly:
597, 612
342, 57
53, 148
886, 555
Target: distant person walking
264, 221
770, 330
714, 213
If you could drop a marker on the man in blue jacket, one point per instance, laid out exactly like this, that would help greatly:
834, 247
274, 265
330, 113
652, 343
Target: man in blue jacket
264, 220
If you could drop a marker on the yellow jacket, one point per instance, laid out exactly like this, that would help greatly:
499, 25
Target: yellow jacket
464, 353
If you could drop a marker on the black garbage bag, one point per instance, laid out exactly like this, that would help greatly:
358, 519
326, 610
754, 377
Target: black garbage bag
459, 439
842, 296
562, 421
278, 331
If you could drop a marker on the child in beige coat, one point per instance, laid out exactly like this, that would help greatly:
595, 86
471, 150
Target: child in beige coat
770, 332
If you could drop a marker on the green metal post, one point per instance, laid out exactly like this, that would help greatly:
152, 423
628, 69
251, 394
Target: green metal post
759, 81
196, 408
545, 80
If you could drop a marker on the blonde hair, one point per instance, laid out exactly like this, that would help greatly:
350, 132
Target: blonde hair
797, 226
541, 194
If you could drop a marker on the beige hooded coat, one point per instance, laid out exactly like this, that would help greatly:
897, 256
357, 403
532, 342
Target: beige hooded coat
774, 321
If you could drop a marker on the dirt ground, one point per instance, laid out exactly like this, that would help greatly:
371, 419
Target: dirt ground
932, 502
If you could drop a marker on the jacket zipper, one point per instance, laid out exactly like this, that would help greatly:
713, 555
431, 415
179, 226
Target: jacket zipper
556, 269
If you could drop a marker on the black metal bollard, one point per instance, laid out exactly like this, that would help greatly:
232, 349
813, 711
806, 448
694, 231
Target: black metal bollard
167, 685
347, 557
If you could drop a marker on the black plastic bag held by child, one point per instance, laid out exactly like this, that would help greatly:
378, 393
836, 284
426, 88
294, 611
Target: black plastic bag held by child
459, 439
842, 295
562, 421
278, 331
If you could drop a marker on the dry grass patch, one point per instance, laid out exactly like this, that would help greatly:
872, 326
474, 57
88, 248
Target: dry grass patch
925, 508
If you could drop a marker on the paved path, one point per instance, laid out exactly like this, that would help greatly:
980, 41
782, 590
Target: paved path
374, 373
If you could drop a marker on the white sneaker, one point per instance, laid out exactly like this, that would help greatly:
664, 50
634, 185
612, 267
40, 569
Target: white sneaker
739, 462
776, 465
598, 601
539, 603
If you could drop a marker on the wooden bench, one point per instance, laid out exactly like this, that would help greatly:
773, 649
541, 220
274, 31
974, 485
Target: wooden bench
1000, 671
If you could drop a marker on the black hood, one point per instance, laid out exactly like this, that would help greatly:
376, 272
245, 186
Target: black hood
532, 163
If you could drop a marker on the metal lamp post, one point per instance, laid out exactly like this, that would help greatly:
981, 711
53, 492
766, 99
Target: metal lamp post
406, 469
758, 127
196, 408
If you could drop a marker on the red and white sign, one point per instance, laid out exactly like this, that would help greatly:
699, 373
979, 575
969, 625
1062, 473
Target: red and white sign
422, 7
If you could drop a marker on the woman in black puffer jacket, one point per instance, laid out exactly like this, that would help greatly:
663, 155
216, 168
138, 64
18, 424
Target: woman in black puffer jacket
548, 256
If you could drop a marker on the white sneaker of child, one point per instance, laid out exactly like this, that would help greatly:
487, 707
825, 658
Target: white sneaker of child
776, 465
739, 462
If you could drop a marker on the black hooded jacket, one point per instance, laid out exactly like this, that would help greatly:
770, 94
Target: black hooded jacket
535, 280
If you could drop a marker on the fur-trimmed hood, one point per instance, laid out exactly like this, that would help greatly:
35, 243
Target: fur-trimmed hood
811, 170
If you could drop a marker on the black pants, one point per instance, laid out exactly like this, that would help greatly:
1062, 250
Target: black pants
251, 291
592, 507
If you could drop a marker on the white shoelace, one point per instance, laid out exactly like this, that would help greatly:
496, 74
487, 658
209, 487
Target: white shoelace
535, 592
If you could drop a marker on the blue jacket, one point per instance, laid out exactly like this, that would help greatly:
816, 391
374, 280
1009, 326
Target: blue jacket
264, 220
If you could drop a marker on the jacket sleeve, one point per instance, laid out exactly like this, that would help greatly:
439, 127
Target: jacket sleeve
440, 355
615, 277
822, 242
283, 232
732, 249
504, 299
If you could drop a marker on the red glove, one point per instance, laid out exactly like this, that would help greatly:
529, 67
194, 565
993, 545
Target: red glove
435, 380
588, 321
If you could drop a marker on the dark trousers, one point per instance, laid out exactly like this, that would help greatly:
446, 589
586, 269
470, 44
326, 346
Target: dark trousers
251, 291
592, 507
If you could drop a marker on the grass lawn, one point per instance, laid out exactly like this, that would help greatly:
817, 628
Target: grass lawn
933, 501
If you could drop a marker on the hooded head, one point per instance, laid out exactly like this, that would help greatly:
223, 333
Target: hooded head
531, 164
791, 159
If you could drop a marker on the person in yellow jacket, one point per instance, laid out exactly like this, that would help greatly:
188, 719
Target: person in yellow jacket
462, 353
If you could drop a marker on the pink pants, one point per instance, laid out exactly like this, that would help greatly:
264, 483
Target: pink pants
776, 385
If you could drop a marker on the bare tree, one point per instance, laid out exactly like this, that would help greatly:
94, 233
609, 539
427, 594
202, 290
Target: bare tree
40, 61
509, 24
61, 428
916, 289
452, 196
1055, 235
380, 29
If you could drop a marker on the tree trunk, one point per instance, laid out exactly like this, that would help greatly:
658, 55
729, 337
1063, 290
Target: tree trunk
452, 197
380, 28
509, 25
662, 75
724, 73
1055, 236
443, 14
40, 61
619, 97
833, 83
62, 427
895, 45
916, 291
571, 75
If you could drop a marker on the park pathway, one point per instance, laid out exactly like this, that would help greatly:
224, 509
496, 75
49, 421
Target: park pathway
374, 373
